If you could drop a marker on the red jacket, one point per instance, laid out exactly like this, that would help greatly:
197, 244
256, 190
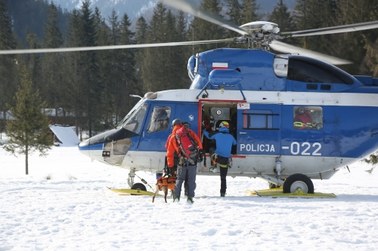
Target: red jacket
172, 146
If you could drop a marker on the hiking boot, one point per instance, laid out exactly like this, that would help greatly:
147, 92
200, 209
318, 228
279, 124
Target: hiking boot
176, 198
223, 194
190, 200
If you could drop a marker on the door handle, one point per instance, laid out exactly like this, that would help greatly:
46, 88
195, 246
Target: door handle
242, 133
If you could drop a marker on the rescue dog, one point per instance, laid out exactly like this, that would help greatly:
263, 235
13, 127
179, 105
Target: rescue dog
164, 184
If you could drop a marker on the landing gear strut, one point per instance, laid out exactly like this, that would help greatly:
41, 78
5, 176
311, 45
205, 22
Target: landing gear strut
130, 181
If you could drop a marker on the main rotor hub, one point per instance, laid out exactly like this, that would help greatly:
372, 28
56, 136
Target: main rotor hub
261, 33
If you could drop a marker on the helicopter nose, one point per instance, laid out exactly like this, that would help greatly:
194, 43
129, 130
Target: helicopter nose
91, 149
109, 147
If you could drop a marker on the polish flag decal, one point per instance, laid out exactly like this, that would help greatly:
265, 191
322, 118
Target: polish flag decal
219, 65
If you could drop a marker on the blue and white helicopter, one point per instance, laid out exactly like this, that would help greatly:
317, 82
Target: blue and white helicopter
296, 116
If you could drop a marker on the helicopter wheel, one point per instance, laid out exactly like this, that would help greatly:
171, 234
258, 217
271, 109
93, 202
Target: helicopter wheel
297, 182
139, 186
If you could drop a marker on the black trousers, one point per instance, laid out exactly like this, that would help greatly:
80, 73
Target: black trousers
223, 175
223, 163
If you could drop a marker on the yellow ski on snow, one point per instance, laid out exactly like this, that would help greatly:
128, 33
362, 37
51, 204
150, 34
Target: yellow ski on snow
278, 192
129, 191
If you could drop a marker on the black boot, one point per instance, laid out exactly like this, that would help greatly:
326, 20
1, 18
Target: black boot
176, 198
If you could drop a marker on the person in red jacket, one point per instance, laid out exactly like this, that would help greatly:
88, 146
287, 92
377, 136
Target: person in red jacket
186, 168
302, 118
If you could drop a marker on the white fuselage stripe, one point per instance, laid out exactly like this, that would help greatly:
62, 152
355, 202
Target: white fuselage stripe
273, 97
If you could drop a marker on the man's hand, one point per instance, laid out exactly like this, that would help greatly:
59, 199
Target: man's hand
201, 155
171, 171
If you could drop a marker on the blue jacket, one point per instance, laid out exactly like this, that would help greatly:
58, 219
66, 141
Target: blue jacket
223, 141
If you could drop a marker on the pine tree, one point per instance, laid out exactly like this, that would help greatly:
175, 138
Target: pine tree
234, 11
355, 46
8, 73
83, 72
127, 71
107, 64
312, 14
248, 14
33, 61
90, 81
174, 60
249, 11
182, 52
282, 17
29, 130
155, 59
51, 86
361, 47
141, 27
203, 30
164, 68
74, 94
120, 71
235, 16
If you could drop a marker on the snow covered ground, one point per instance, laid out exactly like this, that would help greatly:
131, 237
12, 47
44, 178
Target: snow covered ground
64, 204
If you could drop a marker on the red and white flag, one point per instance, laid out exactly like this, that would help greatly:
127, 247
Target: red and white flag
219, 65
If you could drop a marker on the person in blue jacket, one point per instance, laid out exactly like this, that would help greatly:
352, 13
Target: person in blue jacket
223, 147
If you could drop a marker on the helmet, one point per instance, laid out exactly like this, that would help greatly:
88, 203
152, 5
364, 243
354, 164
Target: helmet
300, 110
176, 122
224, 124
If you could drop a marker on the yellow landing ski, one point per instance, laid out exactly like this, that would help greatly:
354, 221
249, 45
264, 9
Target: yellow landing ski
129, 191
278, 193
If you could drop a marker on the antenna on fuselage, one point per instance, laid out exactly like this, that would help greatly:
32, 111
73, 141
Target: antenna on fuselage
135, 96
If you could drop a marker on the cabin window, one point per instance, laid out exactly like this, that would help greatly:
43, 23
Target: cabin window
134, 121
260, 119
308, 117
159, 119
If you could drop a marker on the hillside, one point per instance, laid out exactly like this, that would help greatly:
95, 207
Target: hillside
30, 16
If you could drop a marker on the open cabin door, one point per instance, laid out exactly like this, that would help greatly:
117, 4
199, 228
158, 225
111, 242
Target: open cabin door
212, 114
258, 129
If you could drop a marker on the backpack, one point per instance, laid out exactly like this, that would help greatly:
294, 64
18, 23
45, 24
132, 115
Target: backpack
187, 145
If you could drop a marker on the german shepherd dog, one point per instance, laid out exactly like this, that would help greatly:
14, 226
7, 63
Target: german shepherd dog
164, 183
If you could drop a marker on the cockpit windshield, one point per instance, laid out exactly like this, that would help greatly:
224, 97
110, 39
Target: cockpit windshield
133, 121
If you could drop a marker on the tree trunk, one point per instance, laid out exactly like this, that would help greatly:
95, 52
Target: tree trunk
26, 160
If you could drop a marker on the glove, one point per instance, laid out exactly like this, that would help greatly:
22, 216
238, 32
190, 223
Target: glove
171, 171
201, 155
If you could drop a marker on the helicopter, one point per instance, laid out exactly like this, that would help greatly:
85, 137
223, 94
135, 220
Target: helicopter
295, 115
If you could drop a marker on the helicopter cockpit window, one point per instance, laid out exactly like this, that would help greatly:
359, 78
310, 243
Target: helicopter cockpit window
308, 117
134, 121
159, 119
311, 71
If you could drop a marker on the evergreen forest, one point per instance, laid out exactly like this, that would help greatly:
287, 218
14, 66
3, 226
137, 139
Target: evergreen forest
91, 90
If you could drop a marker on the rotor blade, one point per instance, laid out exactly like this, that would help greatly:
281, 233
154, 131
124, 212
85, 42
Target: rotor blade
287, 48
333, 29
190, 8
114, 47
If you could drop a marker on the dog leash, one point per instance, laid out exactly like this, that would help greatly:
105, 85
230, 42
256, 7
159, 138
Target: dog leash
144, 182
